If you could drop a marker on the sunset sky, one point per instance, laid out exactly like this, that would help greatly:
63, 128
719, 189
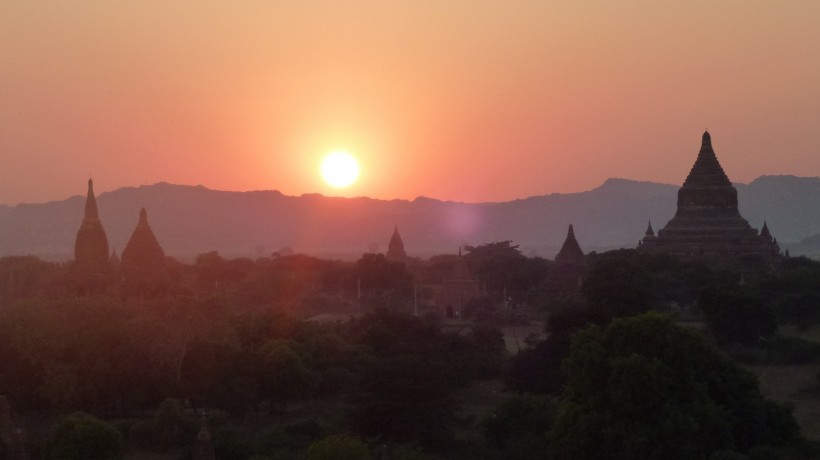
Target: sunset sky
468, 100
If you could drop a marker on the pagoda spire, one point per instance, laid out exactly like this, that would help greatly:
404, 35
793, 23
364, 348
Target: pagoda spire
395, 249
765, 234
707, 188
570, 251
649, 231
91, 202
91, 245
565, 277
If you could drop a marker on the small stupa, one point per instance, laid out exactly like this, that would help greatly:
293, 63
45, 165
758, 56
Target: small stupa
395, 249
565, 275
570, 253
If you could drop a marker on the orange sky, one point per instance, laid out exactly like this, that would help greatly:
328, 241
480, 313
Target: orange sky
469, 100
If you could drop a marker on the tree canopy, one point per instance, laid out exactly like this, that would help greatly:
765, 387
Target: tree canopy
644, 387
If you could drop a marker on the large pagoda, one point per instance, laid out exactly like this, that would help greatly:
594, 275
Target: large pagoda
707, 224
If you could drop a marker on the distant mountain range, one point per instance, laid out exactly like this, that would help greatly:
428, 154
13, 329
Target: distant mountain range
190, 220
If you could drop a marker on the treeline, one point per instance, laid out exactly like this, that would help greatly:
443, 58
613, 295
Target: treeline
632, 384
613, 378
391, 376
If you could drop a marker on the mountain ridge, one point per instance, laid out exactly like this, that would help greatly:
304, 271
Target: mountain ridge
192, 219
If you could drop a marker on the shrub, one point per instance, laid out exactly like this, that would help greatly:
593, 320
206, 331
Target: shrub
83, 437
338, 447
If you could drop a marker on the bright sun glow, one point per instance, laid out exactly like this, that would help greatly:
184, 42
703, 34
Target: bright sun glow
340, 169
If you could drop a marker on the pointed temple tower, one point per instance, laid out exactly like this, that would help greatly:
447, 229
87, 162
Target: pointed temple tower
143, 261
395, 249
565, 275
143, 252
457, 290
91, 271
91, 245
707, 224
570, 253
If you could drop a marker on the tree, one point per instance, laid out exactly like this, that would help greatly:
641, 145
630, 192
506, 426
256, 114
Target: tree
646, 388
628, 282
83, 437
736, 315
537, 369
800, 309
500, 266
338, 447
518, 426
378, 274
168, 428
407, 399
618, 285
285, 375
408, 387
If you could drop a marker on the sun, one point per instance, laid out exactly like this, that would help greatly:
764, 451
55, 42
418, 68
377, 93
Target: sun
340, 169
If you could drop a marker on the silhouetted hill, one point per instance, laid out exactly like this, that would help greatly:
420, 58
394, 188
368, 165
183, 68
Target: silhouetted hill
189, 220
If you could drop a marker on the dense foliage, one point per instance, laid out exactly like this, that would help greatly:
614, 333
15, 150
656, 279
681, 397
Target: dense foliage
230, 341
83, 437
646, 388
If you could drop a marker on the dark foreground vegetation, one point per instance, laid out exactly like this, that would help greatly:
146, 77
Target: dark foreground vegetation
301, 358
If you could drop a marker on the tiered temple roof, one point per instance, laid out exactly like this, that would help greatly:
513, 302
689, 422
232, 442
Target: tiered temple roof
707, 224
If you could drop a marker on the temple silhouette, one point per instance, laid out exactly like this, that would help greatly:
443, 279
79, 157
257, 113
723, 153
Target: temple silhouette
90, 269
707, 224
566, 274
91, 244
143, 262
395, 249
141, 271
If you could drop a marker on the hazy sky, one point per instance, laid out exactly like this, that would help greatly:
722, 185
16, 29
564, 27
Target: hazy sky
473, 100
